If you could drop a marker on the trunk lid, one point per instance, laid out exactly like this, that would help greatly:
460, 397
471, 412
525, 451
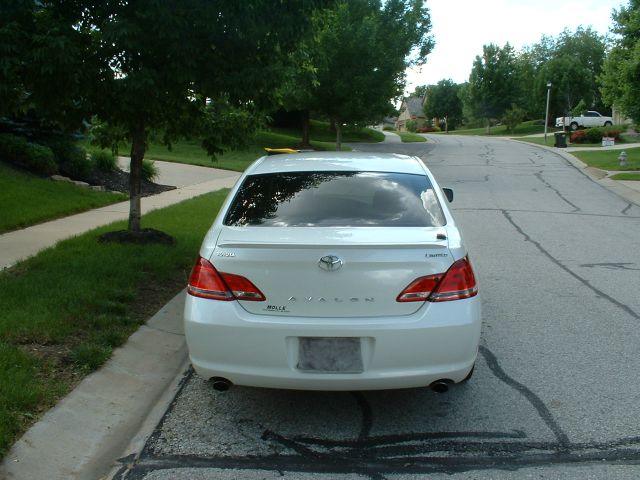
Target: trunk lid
332, 272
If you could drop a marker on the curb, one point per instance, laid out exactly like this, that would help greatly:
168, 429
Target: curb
595, 174
113, 407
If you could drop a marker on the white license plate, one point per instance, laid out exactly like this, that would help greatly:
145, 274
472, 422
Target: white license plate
330, 355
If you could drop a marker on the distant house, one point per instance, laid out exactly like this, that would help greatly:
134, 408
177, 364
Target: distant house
389, 122
410, 109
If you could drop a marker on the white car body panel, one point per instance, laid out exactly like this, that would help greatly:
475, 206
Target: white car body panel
402, 345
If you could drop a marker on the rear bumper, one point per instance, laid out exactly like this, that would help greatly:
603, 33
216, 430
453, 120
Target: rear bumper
439, 341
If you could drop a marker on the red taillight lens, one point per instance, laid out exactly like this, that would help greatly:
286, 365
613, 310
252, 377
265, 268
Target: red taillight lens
420, 289
457, 283
242, 288
206, 282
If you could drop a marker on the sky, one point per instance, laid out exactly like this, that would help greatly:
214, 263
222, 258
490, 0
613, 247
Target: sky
461, 27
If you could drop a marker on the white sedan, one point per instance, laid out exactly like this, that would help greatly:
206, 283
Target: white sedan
334, 271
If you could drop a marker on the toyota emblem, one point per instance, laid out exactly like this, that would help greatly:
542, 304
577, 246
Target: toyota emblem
330, 263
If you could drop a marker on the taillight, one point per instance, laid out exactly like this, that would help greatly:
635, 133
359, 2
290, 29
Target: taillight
206, 282
242, 288
457, 283
420, 289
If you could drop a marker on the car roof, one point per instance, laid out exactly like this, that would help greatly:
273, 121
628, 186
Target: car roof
338, 161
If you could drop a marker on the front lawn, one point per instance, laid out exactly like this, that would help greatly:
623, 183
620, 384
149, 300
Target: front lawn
64, 310
191, 151
525, 128
408, 137
608, 159
26, 199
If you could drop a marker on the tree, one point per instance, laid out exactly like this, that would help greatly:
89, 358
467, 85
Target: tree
513, 117
492, 83
443, 101
360, 51
573, 68
620, 79
185, 68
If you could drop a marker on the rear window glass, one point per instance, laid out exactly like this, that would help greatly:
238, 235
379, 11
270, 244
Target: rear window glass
335, 199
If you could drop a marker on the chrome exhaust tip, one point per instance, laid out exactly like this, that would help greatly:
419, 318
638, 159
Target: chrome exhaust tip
440, 386
220, 384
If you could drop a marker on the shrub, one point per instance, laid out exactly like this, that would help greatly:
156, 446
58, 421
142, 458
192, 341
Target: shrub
513, 117
104, 161
33, 157
427, 129
411, 126
77, 164
594, 135
72, 159
578, 136
149, 170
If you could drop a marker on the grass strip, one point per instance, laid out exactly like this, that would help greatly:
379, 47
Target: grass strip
408, 137
26, 199
67, 308
626, 176
608, 159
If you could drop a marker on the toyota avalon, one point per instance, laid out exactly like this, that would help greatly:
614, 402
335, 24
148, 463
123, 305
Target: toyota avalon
334, 271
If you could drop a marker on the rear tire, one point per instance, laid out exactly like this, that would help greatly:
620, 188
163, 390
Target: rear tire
607, 123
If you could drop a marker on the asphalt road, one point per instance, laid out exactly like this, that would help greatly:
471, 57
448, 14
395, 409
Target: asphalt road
555, 393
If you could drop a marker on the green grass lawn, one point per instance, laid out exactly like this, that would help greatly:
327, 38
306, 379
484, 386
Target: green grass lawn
626, 176
551, 141
64, 310
191, 152
525, 128
408, 137
608, 159
26, 199
321, 131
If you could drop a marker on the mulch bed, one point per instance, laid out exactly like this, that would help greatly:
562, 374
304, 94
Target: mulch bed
118, 181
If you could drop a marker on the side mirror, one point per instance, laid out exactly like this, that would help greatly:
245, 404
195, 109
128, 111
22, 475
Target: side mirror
448, 193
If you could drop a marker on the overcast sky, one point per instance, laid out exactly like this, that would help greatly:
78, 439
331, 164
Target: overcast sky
461, 27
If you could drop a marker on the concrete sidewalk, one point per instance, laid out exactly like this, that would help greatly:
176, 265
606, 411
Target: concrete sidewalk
191, 180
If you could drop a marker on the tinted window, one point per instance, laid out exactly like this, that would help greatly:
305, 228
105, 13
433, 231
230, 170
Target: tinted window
335, 199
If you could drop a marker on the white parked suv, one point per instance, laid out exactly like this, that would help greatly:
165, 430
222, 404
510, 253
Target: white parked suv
334, 271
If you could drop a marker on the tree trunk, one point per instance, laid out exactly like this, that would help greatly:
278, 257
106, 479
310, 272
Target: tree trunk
306, 128
446, 124
338, 125
138, 140
488, 126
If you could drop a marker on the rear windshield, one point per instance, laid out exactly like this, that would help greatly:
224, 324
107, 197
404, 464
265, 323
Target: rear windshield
335, 199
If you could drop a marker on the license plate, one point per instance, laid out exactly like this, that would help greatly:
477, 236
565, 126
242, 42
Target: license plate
330, 355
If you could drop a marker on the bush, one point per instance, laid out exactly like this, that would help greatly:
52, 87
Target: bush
33, 157
579, 136
594, 135
427, 129
411, 126
149, 170
104, 161
77, 164
513, 117
72, 159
